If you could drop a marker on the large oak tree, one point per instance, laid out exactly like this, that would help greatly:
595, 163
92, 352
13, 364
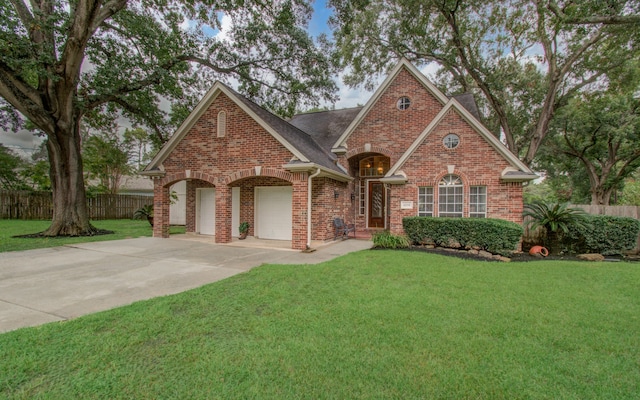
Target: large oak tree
526, 58
63, 62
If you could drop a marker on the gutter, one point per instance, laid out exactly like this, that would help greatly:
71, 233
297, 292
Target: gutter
309, 183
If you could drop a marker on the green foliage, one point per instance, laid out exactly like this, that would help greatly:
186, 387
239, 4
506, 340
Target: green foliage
369, 325
542, 191
493, 235
106, 158
144, 212
556, 219
594, 143
387, 240
9, 165
631, 193
603, 234
244, 227
553, 217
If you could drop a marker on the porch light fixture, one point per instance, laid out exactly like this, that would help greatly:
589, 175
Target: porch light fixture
380, 167
336, 194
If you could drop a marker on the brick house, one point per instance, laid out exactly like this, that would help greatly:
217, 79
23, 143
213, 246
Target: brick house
409, 151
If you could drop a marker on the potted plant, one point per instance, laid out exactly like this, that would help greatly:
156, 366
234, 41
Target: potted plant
244, 230
144, 212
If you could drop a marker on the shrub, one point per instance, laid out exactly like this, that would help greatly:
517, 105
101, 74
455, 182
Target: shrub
555, 219
603, 234
493, 235
387, 240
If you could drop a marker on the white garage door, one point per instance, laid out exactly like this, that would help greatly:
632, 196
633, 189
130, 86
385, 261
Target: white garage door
273, 212
206, 211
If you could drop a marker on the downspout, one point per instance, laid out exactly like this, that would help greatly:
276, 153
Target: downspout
310, 187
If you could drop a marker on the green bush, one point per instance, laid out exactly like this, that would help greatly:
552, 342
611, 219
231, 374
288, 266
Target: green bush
493, 235
603, 234
387, 240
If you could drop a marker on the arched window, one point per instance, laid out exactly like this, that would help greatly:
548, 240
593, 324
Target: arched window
450, 196
222, 124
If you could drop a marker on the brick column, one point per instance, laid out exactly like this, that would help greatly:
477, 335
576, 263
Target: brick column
161, 203
223, 213
299, 210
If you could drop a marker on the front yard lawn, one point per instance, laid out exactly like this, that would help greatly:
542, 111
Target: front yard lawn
369, 325
122, 228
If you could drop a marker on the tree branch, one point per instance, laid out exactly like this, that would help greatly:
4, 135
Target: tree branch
594, 19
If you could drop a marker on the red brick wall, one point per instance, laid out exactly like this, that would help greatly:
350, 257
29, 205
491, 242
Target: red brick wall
391, 131
230, 161
245, 145
475, 161
326, 206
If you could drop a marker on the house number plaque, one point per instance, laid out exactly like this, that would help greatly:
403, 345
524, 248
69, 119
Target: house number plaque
406, 205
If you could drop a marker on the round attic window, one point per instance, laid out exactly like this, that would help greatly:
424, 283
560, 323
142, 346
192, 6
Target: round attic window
403, 103
451, 141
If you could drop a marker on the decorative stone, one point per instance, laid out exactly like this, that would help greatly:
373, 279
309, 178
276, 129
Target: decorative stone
504, 259
485, 254
473, 251
590, 257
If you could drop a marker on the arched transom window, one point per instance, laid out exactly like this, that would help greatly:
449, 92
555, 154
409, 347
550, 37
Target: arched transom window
374, 166
450, 196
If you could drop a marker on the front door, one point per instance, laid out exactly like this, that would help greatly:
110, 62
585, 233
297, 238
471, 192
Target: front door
376, 204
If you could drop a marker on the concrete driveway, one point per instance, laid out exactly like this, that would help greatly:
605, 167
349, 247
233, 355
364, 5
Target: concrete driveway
60, 283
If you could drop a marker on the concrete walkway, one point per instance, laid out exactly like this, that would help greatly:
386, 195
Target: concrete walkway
60, 283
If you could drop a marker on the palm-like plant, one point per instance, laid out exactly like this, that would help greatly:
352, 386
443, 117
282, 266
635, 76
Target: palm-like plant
144, 212
554, 218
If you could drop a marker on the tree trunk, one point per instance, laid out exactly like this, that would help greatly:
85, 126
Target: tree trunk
601, 197
70, 213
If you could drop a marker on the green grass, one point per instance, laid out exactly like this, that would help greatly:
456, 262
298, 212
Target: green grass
122, 228
370, 325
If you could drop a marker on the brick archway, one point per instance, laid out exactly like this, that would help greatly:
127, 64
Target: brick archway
373, 149
258, 172
170, 179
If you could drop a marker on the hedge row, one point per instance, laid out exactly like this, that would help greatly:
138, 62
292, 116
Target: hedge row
493, 235
603, 234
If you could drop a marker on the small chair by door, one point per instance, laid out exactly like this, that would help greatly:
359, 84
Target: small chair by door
342, 229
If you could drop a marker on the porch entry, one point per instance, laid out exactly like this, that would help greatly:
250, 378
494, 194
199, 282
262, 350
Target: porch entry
373, 195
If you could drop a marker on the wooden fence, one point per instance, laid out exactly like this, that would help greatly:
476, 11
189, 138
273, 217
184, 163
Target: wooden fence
38, 205
615, 211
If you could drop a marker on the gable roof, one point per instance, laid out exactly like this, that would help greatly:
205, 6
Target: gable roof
522, 171
303, 147
402, 64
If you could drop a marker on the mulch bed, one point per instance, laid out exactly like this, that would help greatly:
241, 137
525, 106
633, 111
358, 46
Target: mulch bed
523, 256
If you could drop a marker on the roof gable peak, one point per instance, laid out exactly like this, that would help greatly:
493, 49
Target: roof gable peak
403, 63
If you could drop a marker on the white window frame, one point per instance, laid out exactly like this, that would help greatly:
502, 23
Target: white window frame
451, 196
478, 201
425, 200
403, 103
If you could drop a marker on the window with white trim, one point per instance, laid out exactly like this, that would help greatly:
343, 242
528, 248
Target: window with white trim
222, 124
450, 196
478, 202
403, 103
425, 201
